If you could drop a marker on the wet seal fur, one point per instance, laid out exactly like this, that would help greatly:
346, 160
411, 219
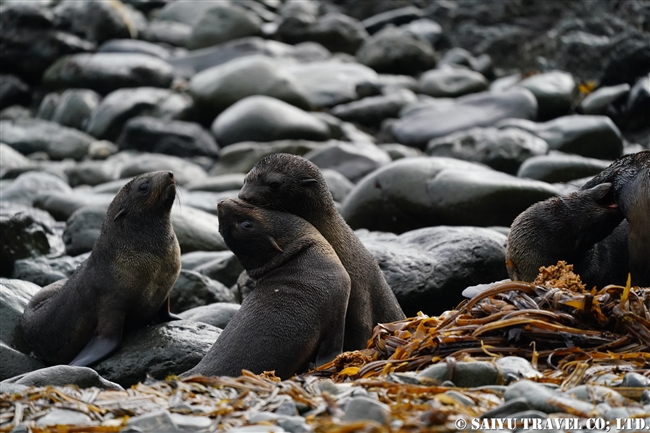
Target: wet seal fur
295, 185
124, 283
296, 313
602, 229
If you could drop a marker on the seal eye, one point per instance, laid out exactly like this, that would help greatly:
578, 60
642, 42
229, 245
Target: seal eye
144, 186
247, 225
274, 184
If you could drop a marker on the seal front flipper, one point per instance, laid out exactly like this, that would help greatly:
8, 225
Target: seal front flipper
105, 342
164, 314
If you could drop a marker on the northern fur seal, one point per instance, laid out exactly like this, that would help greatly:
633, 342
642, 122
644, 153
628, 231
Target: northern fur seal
603, 229
125, 283
295, 185
296, 313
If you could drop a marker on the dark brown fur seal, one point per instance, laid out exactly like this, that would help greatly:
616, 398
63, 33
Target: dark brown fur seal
603, 229
296, 313
125, 283
295, 185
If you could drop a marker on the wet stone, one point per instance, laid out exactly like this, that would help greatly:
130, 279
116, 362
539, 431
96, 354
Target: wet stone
226, 182
598, 101
555, 92
44, 271
635, 380
558, 167
396, 17
224, 268
508, 408
61, 375
339, 185
184, 171
14, 297
134, 46
544, 399
465, 374
373, 110
364, 408
193, 290
13, 91
74, 107
514, 368
13, 362
450, 82
82, 229
168, 32
221, 23
217, 315
353, 161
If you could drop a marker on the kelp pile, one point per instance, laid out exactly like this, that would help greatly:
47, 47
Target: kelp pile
554, 322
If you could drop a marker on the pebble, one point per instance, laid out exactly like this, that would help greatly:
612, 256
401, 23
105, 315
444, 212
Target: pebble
221, 23
217, 314
451, 82
217, 88
541, 398
44, 271
223, 267
14, 296
184, 171
334, 31
590, 136
74, 108
264, 119
396, 17
555, 91
465, 374
365, 408
484, 109
558, 167
371, 111
353, 161
108, 72
503, 150
597, 102
193, 290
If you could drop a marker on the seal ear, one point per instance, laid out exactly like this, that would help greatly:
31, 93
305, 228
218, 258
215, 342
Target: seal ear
308, 182
120, 214
275, 245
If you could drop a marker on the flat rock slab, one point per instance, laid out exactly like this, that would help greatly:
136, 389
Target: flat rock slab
428, 269
158, 351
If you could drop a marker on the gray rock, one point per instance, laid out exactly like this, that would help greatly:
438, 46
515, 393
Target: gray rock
241, 157
196, 230
13, 91
184, 171
36, 135
541, 398
194, 290
558, 167
91, 173
508, 408
597, 101
353, 161
192, 423
12, 159
223, 267
108, 118
134, 46
102, 149
590, 136
110, 187
261, 118
30, 43
29, 185
427, 31
74, 108
420, 192
635, 380
14, 296
294, 424
107, 72
257, 429
61, 375
398, 151
205, 200
217, 315
555, 91
504, 150
338, 184
428, 269
189, 13
393, 51
97, 21
64, 417
44, 271
331, 83
175, 137
24, 234
449, 82
461, 58
82, 229
225, 182
483, 109
396, 17
222, 23
158, 351
168, 32
217, 88
515, 368
598, 394
61, 205
373, 110
464, 374
335, 31
366, 408
13, 362
154, 422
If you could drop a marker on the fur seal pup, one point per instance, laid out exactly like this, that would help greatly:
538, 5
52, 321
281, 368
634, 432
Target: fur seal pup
295, 185
296, 313
603, 229
124, 283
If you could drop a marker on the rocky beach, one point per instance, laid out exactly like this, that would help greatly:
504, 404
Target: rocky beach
434, 123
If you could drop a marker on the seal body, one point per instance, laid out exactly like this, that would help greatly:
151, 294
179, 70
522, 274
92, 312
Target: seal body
295, 185
602, 229
296, 313
124, 283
